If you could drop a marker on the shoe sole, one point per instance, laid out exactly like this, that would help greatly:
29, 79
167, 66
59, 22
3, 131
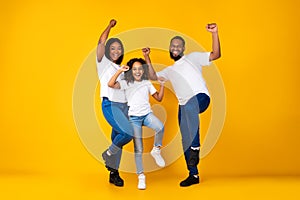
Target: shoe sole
119, 185
189, 185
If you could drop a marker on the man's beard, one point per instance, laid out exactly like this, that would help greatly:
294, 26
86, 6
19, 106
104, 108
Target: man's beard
175, 58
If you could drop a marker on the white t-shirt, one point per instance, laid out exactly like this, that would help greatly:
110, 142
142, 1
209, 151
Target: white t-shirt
106, 69
186, 75
137, 94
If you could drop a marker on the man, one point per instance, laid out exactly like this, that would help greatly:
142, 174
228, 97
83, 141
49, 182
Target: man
192, 94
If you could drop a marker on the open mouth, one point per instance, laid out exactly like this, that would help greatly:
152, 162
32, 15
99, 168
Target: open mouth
137, 76
175, 53
116, 55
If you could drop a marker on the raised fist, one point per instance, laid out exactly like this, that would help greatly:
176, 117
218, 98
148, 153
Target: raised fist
213, 28
146, 51
124, 68
112, 23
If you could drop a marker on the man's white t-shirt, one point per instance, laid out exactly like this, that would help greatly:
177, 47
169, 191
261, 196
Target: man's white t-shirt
106, 69
137, 94
186, 75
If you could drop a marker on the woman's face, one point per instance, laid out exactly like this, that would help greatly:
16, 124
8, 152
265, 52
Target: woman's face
115, 51
137, 71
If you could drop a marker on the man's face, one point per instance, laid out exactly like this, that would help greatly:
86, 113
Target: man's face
176, 49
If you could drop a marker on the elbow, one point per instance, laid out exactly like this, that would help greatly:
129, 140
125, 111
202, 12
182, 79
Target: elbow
215, 56
160, 99
153, 77
110, 85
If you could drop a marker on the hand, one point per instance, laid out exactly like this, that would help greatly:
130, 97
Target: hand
161, 80
213, 28
146, 51
124, 68
112, 23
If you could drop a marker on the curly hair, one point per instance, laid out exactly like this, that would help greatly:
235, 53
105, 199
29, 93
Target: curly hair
128, 74
107, 46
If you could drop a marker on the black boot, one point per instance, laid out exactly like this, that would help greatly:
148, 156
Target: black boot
115, 179
194, 158
189, 181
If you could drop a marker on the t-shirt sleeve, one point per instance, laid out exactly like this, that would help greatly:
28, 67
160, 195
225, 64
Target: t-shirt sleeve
163, 73
123, 84
151, 88
199, 58
102, 66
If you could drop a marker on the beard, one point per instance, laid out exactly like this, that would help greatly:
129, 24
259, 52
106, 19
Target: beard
175, 58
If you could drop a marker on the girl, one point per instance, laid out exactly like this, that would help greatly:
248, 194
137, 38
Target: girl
114, 105
137, 88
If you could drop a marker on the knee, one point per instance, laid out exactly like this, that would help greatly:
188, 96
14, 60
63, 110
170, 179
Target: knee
161, 129
138, 150
128, 132
128, 138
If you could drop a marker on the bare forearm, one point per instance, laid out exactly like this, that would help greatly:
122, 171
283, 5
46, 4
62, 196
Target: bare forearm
160, 95
161, 92
113, 80
103, 38
216, 49
152, 73
104, 35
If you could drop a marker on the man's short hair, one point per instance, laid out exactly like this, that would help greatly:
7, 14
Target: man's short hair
179, 38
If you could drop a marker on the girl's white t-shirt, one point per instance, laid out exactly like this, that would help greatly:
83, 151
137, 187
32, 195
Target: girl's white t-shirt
137, 95
106, 69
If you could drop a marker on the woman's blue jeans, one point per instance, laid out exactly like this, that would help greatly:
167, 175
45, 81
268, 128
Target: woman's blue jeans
188, 117
116, 114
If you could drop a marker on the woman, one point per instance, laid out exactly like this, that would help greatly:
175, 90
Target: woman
114, 106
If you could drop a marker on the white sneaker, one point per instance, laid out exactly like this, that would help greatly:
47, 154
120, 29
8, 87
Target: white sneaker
155, 153
142, 182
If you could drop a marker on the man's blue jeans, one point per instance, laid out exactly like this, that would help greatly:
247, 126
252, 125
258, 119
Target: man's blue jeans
116, 114
188, 117
151, 121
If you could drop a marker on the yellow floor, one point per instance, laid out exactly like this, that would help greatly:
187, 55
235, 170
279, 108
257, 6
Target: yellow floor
159, 185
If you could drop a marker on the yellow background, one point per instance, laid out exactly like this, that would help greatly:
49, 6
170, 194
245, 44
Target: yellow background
44, 43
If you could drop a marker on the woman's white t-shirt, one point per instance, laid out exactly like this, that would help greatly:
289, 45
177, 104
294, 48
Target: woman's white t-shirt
106, 69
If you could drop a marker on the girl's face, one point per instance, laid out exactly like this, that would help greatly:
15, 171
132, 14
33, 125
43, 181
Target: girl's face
137, 71
115, 51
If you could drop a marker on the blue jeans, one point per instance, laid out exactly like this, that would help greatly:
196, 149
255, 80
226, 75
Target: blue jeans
151, 121
188, 117
116, 114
